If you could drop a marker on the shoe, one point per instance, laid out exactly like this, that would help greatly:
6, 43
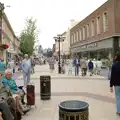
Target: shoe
118, 114
25, 110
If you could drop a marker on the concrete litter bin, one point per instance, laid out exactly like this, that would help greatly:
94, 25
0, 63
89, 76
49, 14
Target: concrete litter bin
45, 87
73, 110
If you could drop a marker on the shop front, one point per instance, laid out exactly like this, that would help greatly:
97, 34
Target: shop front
101, 49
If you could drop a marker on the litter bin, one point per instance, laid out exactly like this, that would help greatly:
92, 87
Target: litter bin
45, 87
73, 110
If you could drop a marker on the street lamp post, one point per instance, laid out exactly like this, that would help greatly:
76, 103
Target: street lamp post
59, 39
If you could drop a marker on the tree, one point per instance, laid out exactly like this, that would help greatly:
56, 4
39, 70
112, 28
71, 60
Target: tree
28, 37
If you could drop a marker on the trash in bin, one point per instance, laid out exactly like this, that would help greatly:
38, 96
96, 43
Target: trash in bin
73, 110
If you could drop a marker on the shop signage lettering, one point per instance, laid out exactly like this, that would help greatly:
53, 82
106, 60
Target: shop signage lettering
92, 45
89, 46
83, 47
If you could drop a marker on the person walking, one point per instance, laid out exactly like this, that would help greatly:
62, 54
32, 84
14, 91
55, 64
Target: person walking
90, 66
76, 64
98, 66
11, 65
95, 66
26, 68
115, 81
83, 65
109, 66
70, 66
20, 65
32, 65
63, 67
51, 63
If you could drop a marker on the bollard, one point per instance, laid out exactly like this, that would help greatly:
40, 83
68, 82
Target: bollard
45, 87
73, 110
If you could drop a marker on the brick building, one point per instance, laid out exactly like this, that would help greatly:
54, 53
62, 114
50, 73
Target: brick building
98, 35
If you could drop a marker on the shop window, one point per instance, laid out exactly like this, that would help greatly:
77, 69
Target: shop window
88, 32
93, 28
98, 25
105, 21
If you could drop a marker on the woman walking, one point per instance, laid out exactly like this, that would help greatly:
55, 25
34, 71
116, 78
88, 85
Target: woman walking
70, 65
115, 81
51, 64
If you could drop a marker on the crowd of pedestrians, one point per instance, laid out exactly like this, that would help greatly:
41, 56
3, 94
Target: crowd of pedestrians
79, 66
84, 65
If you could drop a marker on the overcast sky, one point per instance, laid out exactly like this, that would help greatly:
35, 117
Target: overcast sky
53, 16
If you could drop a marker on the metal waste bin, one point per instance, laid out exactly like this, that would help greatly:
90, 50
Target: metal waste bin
73, 110
45, 87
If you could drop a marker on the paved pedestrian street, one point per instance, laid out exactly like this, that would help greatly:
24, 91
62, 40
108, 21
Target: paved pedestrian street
94, 90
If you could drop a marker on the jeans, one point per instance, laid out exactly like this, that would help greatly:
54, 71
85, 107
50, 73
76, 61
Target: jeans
26, 77
117, 95
76, 70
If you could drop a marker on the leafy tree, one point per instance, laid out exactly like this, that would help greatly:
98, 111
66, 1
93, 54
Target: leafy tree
28, 37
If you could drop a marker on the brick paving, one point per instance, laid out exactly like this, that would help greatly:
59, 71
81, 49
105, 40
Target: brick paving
94, 90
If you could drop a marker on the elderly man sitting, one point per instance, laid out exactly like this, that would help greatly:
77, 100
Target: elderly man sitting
9, 82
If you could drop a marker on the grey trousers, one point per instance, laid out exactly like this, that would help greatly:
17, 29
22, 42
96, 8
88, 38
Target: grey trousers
26, 77
7, 115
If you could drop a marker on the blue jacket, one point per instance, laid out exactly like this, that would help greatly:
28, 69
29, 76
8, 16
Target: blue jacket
10, 84
75, 61
90, 65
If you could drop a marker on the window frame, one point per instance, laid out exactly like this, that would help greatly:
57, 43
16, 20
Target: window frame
105, 29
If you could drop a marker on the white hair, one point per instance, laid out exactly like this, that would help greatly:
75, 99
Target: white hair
8, 71
26, 55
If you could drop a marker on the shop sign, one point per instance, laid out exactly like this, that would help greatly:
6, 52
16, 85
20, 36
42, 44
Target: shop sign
92, 45
83, 47
89, 46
